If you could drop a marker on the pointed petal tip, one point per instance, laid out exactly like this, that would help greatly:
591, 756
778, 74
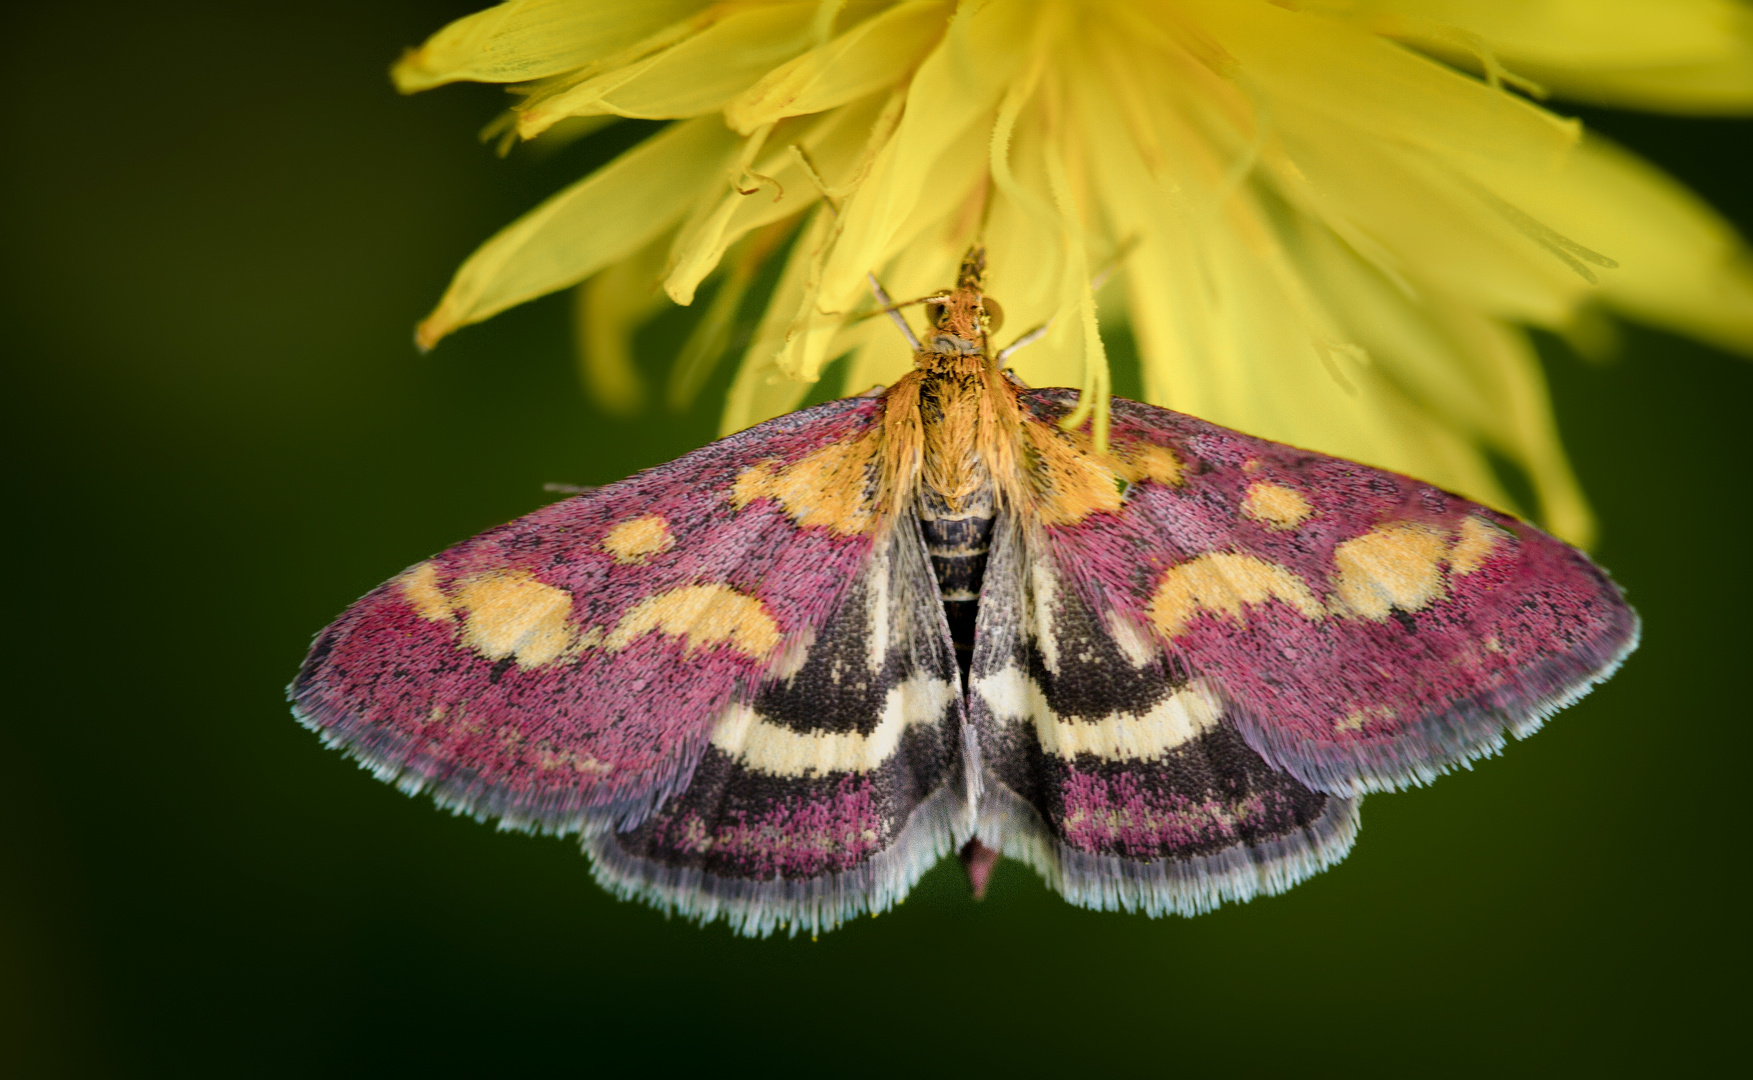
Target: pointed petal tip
409, 74
429, 333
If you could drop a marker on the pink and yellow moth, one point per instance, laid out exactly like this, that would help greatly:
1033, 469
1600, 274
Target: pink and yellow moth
779, 678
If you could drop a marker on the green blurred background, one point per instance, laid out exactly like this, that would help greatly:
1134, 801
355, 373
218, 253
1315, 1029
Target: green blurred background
220, 225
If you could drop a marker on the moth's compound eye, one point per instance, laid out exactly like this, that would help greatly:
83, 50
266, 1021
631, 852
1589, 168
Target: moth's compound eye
994, 314
934, 314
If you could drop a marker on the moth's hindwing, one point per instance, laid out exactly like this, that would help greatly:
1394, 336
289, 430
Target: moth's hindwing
566, 672
835, 788
1114, 769
1367, 631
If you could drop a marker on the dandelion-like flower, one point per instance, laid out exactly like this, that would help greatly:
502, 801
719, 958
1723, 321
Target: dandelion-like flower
1336, 217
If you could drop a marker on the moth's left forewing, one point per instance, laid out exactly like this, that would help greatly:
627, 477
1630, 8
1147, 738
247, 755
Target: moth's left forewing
564, 672
1368, 630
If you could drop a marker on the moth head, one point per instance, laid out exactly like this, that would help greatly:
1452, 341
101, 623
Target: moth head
962, 318
958, 322
991, 315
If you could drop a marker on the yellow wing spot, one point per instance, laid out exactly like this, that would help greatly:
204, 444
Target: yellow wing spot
452, 720
1357, 718
420, 589
639, 539
549, 757
703, 616
1225, 583
1276, 506
1394, 566
511, 613
1478, 539
1143, 461
1070, 481
827, 488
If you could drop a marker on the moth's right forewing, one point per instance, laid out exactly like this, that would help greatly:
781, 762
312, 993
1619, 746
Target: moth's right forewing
1369, 631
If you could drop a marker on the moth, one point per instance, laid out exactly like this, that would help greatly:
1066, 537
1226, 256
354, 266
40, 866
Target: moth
777, 679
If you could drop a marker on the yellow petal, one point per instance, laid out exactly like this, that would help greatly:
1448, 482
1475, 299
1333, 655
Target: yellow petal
1080, 299
1417, 190
759, 392
1680, 264
1680, 55
1027, 278
945, 119
1471, 375
609, 307
696, 75
775, 187
1378, 88
711, 336
934, 234
1225, 332
1184, 309
871, 56
1434, 220
532, 39
1030, 249
598, 220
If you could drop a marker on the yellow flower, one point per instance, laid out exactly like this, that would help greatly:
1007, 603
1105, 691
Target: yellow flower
1336, 215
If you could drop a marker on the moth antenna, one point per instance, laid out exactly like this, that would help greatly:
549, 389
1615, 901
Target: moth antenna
569, 489
937, 297
882, 296
1127, 247
1101, 278
1029, 338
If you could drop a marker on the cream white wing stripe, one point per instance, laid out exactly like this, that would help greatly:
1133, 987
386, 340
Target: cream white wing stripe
1178, 718
759, 744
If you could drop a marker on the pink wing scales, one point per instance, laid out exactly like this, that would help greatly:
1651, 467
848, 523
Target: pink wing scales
1369, 631
843, 785
563, 672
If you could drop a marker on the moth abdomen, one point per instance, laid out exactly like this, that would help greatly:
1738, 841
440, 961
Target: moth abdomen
957, 539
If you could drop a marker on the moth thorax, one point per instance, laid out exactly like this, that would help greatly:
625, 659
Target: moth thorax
978, 503
950, 406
